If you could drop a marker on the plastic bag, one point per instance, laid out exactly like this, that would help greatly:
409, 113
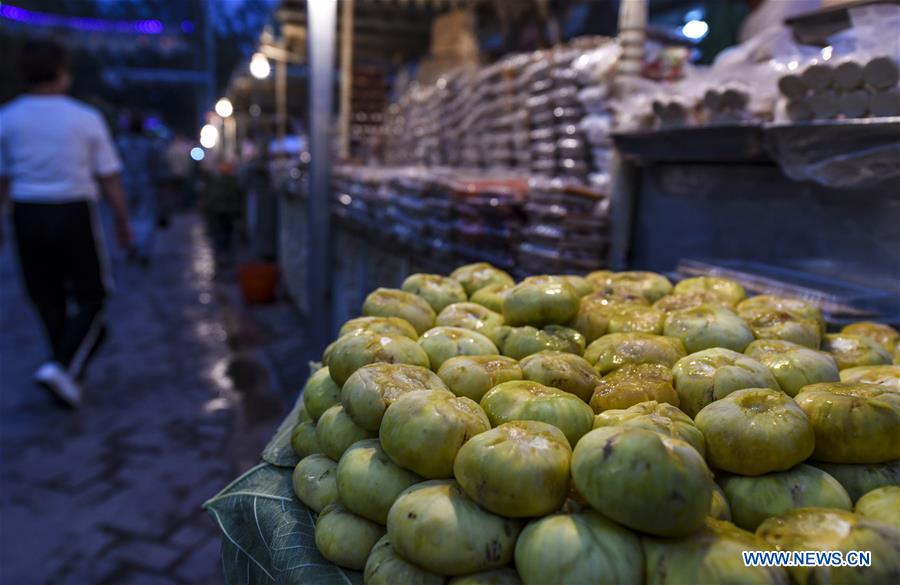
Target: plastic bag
635, 113
855, 152
855, 76
598, 66
846, 154
597, 127
877, 30
595, 98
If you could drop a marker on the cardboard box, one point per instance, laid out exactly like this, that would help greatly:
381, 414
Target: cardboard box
432, 68
453, 36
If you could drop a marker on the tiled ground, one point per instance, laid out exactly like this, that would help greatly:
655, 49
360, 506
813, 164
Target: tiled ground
180, 400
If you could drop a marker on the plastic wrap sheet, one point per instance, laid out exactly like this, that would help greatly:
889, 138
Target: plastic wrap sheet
598, 66
535, 259
846, 153
866, 93
841, 301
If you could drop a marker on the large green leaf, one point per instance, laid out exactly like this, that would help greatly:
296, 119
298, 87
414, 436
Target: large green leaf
239, 569
268, 535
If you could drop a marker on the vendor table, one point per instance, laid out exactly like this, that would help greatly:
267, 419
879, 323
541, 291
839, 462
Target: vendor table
726, 193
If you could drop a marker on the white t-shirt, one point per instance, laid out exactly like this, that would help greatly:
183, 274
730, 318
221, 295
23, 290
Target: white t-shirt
52, 147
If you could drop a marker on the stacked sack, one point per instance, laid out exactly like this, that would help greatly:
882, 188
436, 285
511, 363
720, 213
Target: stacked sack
567, 227
504, 134
419, 207
595, 71
488, 217
558, 146
412, 128
455, 91
848, 88
611, 428
360, 193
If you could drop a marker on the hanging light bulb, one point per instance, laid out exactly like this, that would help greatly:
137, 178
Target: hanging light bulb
224, 107
695, 29
209, 136
259, 66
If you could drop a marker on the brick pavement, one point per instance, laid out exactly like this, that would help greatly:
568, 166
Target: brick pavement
178, 402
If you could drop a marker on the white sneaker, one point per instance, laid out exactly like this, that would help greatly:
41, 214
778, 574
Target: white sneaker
57, 380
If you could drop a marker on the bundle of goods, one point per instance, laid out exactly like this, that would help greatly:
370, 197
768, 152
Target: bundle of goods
458, 148
728, 104
611, 428
558, 146
846, 88
474, 215
504, 132
418, 208
397, 140
427, 128
521, 113
471, 125
369, 97
855, 76
740, 87
438, 198
672, 112
412, 128
595, 71
352, 191
488, 218
709, 97
566, 230
477, 122
356, 193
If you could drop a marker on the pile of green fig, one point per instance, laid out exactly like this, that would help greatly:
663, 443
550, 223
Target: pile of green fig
611, 428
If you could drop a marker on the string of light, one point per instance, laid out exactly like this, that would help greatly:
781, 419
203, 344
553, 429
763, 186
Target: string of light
25, 16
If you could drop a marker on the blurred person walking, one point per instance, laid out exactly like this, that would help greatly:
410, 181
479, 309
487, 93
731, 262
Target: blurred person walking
140, 173
177, 157
56, 158
222, 204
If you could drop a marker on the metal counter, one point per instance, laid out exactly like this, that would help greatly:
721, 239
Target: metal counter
697, 203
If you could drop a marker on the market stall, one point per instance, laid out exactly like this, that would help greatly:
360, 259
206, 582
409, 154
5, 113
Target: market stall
655, 154
442, 439
508, 395
508, 163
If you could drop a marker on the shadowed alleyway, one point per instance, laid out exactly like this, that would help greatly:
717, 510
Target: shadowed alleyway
181, 399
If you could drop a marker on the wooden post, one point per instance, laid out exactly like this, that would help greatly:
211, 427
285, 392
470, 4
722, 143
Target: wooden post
346, 76
632, 35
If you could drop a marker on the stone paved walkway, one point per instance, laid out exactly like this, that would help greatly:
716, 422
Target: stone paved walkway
178, 402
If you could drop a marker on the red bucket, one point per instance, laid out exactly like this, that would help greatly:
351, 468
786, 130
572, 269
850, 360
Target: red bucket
258, 281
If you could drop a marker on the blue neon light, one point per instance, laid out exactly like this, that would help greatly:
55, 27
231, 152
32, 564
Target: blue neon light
146, 27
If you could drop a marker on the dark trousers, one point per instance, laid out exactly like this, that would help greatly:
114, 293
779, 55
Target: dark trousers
60, 255
221, 229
